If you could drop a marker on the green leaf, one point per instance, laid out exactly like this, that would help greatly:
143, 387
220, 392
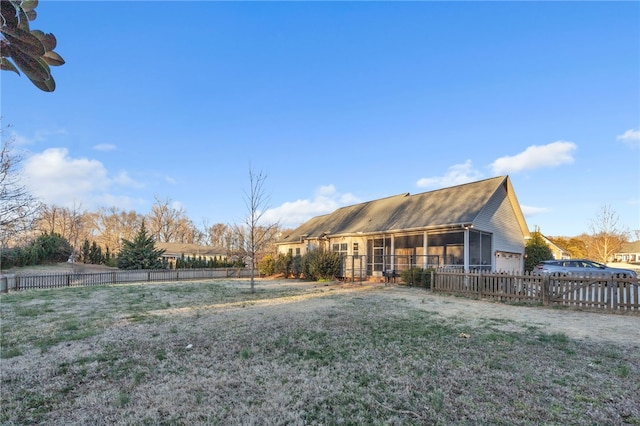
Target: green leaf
46, 86
23, 22
9, 13
7, 65
31, 15
24, 41
29, 5
52, 58
48, 40
34, 68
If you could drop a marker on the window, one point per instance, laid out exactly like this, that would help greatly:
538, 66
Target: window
479, 249
341, 248
356, 249
297, 251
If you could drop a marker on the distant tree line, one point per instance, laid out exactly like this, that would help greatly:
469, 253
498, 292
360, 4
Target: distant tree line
194, 262
97, 237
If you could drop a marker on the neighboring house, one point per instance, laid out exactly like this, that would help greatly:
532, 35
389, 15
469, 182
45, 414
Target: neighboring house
175, 251
629, 253
557, 251
477, 225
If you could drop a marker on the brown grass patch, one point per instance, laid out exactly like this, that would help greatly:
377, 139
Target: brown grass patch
304, 353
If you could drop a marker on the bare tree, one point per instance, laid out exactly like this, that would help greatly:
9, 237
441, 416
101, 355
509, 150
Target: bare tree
217, 235
70, 223
257, 234
170, 224
110, 226
606, 234
18, 208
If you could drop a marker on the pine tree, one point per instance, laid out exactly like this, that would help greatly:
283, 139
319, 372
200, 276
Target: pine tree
86, 252
95, 254
140, 253
535, 251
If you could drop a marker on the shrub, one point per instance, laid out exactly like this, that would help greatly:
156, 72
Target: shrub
321, 265
267, 265
296, 266
535, 251
47, 248
417, 276
282, 264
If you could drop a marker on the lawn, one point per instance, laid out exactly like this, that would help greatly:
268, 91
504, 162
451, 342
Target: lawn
211, 352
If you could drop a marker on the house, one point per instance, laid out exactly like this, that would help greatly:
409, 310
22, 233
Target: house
477, 225
557, 251
629, 253
175, 251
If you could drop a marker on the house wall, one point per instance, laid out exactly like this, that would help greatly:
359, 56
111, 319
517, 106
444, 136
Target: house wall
499, 218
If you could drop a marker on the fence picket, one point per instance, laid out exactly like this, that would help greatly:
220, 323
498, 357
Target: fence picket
590, 291
29, 282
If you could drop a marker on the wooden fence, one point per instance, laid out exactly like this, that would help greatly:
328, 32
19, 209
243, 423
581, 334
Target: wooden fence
16, 282
584, 291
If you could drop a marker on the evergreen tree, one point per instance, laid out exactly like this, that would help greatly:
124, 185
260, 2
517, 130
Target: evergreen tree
107, 257
140, 253
536, 251
86, 252
95, 254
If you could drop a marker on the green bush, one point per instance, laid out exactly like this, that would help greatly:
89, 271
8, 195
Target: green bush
282, 264
417, 276
536, 250
267, 265
47, 248
321, 265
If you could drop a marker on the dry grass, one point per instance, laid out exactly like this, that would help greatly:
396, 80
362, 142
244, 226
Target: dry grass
296, 353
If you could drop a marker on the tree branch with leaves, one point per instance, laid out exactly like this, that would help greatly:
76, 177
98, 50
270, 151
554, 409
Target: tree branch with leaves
24, 49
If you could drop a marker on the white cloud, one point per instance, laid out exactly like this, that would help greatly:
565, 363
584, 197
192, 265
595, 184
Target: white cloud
20, 140
59, 179
123, 179
38, 136
530, 211
456, 175
535, 157
104, 147
631, 137
292, 214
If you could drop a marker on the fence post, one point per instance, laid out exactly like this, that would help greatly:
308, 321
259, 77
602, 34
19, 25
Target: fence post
544, 289
4, 287
613, 295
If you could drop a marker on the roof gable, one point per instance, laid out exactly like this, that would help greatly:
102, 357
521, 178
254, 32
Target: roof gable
451, 206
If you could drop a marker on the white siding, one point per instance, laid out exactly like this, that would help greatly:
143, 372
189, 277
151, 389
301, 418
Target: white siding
499, 218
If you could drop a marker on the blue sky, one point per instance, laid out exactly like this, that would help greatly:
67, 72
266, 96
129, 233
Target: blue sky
336, 102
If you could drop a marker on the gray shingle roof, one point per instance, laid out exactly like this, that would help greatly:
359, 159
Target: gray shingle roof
440, 208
